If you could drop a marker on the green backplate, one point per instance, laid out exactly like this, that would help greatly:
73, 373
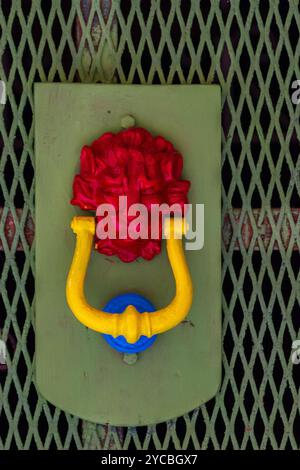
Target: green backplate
75, 368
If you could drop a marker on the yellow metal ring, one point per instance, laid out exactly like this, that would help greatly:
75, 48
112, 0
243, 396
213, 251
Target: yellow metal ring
131, 324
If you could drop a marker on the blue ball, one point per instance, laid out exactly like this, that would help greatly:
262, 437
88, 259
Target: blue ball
117, 305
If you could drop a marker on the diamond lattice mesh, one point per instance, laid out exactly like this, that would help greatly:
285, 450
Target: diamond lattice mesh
252, 49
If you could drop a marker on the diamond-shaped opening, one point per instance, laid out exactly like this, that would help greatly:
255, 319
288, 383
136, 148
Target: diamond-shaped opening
185, 61
126, 60
274, 90
7, 60
247, 286
19, 197
215, 33
286, 287
238, 315
17, 87
236, 199
30, 286
277, 317
265, 119
245, 61
136, 32
226, 175
28, 173
257, 316
244, 8
268, 399
228, 286
293, 34
30, 344
18, 144
8, 172
146, 60
259, 427
23, 426
285, 119
288, 401
238, 371
294, 147
275, 146
27, 116
267, 345
226, 118
237, 262
294, 199
43, 426
46, 59
56, 31
235, 33
5, 425
205, 61
255, 146
254, 34
10, 285
265, 175
255, 90
36, 31
278, 428
266, 287
276, 262
12, 397
195, 32
248, 344
285, 176
229, 398
274, 33
278, 372
275, 198
155, 32
264, 9
283, 10
32, 398
225, 62
228, 343
62, 427
16, 31
205, 6
246, 173
264, 62
256, 198
181, 428
258, 372
175, 32
249, 399
235, 90
166, 60
21, 313
67, 59
22, 370
27, 59
239, 427
236, 147
284, 62
220, 427
161, 431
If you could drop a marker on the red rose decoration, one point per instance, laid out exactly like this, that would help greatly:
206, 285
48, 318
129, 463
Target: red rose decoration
135, 164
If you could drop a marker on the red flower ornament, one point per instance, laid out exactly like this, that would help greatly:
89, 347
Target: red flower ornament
134, 164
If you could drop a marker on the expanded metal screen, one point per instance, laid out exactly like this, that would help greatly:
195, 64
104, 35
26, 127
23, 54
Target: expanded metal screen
252, 50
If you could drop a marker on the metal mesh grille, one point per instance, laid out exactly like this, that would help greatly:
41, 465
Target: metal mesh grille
252, 50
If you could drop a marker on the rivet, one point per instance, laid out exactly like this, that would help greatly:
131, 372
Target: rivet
130, 359
127, 121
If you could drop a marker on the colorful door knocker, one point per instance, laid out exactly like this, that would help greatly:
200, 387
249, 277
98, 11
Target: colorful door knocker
146, 170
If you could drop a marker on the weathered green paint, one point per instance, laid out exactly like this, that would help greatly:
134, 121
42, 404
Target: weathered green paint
76, 369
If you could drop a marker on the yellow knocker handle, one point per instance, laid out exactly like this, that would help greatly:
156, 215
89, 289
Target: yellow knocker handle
131, 324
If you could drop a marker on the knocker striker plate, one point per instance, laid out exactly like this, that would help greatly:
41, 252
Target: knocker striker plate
74, 369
